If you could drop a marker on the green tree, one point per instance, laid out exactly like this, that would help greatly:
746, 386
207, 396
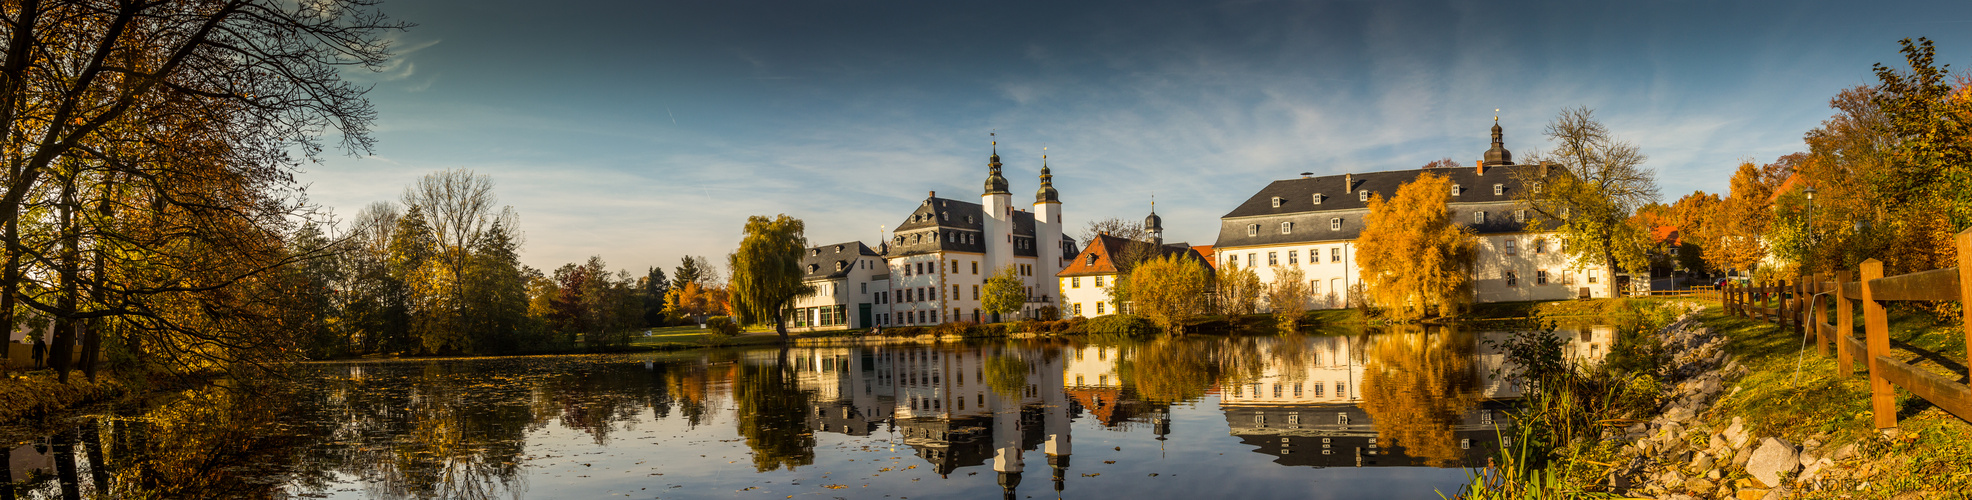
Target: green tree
1416, 262
1601, 182
1169, 290
1004, 292
767, 271
651, 289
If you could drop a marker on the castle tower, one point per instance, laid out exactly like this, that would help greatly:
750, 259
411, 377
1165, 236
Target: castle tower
997, 206
1047, 236
1153, 226
1498, 156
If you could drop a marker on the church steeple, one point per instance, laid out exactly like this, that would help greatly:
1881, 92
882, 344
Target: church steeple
1047, 194
995, 184
1498, 155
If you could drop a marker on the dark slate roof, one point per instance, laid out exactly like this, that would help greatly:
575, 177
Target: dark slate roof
938, 215
1311, 221
820, 262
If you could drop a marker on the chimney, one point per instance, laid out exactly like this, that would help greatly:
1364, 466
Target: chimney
1482, 168
1349, 182
934, 194
1544, 170
1306, 175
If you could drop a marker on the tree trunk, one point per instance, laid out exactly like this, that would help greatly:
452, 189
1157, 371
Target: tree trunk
63, 348
780, 323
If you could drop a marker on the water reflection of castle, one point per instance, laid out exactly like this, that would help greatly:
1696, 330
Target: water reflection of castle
1309, 401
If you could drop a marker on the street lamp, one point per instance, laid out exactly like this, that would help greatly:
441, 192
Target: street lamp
1810, 192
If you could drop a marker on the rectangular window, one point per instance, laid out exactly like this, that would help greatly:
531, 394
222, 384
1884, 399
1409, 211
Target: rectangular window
934, 319
1318, 198
1540, 277
1251, 259
1098, 282
975, 292
955, 267
1341, 390
1335, 224
1511, 279
1252, 229
1540, 246
1078, 308
1075, 282
932, 294
1509, 246
975, 267
1286, 228
1593, 275
1276, 390
1099, 308
1362, 195
1297, 389
1519, 216
1335, 254
1499, 189
863, 287
1479, 217
1291, 260
1273, 258
955, 293
1319, 387
1455, 190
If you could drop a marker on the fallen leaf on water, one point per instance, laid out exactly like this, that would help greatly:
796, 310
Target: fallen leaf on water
1109, 461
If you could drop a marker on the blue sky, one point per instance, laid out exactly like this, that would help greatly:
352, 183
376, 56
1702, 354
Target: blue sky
645, 131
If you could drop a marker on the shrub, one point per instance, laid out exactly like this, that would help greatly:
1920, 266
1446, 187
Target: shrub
722, 325
1075, 325
1120, 324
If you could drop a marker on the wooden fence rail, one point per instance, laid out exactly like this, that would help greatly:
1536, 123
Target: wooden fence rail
1803, 306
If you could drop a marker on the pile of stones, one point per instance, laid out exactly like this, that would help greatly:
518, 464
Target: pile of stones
1676, 455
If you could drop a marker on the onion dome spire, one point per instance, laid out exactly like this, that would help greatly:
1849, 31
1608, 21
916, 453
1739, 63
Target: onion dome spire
995, 184
1498, 155
1047, 194
1153, 222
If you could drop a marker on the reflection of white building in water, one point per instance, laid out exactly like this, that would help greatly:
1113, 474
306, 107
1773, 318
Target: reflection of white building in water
939, 403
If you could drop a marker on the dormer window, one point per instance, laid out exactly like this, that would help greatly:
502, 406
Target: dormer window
1455, 190
1499, 189
1318, 198
812, 267
1479, 217
945, 216
838, 249
814, 251
1287, 228
1276, 202
1362, 195
1335, 224
1537, 188
1519, 216
839, 265
1252, 229
1092, 259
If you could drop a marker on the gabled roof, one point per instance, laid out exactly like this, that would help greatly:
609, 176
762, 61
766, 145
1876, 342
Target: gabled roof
1105, 247
832, 261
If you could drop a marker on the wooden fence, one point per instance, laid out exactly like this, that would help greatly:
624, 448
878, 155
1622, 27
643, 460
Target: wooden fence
1803, 306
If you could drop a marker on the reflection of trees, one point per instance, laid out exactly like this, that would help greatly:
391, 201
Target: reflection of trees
1007, 376
1416, 386
773, 415
1170, 370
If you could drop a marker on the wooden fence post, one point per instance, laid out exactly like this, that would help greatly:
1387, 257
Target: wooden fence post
1818, 318
1965, 290
1845, 326
1876, 332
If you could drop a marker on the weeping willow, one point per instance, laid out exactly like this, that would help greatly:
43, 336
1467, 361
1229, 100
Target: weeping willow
767, 271
1416, 261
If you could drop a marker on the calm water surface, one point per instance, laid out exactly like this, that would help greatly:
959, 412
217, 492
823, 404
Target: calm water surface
1388, 415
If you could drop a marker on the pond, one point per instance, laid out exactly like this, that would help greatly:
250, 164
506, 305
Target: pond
1385, 415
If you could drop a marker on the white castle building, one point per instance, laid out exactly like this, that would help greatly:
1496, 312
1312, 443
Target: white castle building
1312, 223
935, 265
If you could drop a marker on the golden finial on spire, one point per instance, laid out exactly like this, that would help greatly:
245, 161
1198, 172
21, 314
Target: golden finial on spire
1496, 115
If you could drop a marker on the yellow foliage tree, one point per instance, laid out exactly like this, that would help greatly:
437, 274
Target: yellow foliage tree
1169, 290
1415, 260
1288, 297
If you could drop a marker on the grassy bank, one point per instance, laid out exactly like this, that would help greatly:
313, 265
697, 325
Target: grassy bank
37, 394
1796, 395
